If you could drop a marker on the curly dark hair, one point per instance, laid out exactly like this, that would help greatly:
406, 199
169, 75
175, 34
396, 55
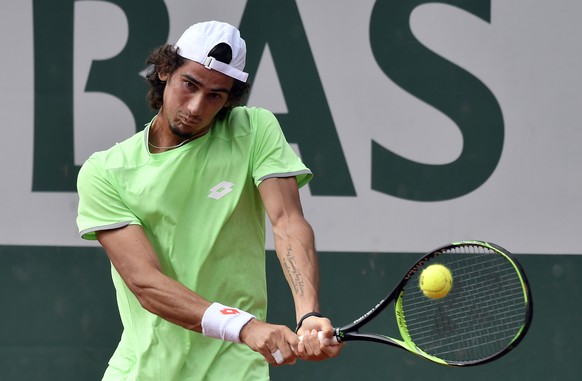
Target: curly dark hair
166, 60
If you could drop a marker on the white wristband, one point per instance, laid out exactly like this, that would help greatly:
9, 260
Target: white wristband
222, 322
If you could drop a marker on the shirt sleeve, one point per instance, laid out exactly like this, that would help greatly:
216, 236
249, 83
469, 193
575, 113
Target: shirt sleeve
100, 205
273, 156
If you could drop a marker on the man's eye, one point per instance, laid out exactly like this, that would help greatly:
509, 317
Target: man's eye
189, 85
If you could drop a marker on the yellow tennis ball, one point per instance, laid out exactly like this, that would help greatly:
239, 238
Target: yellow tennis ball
436, 281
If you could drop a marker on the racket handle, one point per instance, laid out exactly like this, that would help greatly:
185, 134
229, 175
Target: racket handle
324, 340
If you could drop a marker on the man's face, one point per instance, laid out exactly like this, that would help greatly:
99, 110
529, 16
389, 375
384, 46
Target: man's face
192, 98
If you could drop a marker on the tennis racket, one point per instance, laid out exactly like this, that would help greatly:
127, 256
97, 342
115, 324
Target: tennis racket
486, 313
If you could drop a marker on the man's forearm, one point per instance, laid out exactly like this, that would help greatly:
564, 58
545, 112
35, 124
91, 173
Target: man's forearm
298, 259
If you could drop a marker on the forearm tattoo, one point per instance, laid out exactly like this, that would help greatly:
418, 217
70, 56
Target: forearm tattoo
293, 273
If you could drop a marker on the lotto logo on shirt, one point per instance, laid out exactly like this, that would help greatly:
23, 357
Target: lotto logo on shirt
229, 311
220, 190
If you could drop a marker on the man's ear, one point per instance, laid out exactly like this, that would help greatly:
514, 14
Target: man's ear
163, 77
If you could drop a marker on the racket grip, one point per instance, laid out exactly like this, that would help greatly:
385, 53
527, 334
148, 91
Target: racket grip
324, 340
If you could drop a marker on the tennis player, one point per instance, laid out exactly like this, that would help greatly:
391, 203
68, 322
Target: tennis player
180, 210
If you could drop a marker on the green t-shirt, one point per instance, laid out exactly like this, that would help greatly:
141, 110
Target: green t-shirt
200, 207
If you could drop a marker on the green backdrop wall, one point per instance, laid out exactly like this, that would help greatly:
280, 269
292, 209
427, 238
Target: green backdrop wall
59, 322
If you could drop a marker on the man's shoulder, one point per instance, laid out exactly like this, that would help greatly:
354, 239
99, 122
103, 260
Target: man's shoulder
249, 114
120, 153
243, 121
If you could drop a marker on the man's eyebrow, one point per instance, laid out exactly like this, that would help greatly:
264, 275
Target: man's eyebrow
200, 84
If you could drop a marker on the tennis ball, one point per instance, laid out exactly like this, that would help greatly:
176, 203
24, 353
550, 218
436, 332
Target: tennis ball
436, 281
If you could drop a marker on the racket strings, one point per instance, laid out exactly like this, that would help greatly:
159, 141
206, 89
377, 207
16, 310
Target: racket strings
481, 316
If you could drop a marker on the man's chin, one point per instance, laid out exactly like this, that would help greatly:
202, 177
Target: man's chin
181, 132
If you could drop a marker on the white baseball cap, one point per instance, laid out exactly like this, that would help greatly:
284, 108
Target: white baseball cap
199, 39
